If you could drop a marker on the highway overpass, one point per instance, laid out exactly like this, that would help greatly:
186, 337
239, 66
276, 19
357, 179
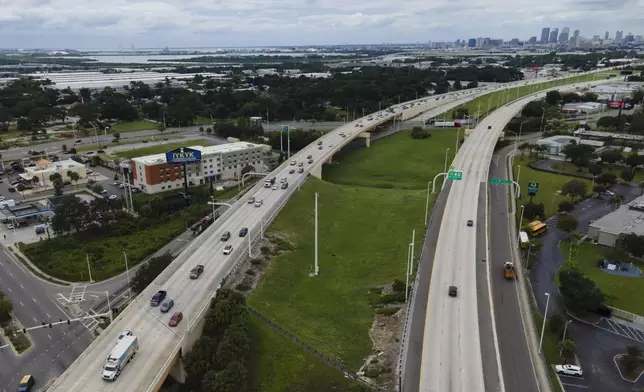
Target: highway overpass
161, 346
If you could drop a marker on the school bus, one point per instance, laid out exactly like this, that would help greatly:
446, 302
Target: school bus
523, 238
537, 228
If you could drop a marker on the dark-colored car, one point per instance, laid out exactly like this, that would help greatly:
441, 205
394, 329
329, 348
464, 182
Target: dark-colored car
158, 298
470, 223
225, 235
26, 383
196, 272
175, 319
453, 291
284, 185
167, 305
243, 232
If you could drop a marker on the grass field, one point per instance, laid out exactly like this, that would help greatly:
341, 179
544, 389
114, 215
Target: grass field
126, 142
133, 126
287, 367
489, 102
396, 161
549, 184
567, 166
624, 291
161, 148
364, 231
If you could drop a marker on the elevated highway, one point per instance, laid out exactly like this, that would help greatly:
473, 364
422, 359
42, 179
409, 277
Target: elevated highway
452, 359
161, 346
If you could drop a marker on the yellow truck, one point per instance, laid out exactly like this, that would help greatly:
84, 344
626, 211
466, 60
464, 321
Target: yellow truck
508, 269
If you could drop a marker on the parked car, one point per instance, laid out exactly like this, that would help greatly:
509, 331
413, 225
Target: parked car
569, 370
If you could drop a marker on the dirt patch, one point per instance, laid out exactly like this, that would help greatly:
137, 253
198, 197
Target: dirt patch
246, 277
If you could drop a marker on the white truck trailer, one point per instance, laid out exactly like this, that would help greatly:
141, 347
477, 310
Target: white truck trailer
120, 355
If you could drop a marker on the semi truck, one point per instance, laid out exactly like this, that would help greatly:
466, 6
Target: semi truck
508, 269
120, 355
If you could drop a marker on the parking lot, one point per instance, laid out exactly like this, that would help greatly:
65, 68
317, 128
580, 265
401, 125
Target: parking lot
572, 383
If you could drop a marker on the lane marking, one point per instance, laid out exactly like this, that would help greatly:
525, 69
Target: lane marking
22, 287
33, 299
21, 304
574, 385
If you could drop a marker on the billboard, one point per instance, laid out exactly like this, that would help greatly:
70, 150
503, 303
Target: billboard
183, 155
615, 104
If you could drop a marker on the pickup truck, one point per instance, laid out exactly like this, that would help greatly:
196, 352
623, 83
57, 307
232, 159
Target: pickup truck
158, 298
195, 272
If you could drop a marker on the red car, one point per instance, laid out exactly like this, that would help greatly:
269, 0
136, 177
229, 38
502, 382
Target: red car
175, 319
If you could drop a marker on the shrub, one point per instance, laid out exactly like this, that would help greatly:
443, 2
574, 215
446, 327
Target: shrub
242, 287
256, 261
250, 272
387, 311
398, 286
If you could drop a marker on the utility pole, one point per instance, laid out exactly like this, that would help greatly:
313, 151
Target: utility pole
413, 248
89, 269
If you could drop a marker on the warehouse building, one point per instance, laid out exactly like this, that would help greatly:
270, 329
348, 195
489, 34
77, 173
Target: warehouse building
220, 165
627, 219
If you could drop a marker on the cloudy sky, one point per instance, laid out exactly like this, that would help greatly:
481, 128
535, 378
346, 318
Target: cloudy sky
106, 24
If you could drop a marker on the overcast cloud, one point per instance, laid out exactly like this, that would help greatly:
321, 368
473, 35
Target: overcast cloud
224, 23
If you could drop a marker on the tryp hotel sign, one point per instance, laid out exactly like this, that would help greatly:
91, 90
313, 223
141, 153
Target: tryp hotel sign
183, 155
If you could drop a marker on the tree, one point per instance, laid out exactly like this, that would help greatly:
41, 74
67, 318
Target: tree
637, 123
6, 307
567, 347
567, 223
566, 206
419, 133
73, 176
634, 160
553, 97
632, 243
607, 179
533, 211
632, 359
580, 293
595, 169
607, 122
149, 271
574, 188
579, 154
247, 169
117, 136
627, 174
71, 213
57, 181
611, 156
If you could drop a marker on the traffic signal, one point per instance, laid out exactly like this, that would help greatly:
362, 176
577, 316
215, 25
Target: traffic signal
69, 322
49, 325
24, 330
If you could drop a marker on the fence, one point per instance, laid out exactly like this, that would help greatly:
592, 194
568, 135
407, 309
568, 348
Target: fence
313, 351
628, 316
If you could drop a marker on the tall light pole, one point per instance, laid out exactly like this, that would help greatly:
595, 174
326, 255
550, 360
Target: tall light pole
89, 269
543, 326
413, 249
521, 217
316, 268
456, 146
408, 273
445, 169
429, 184
127, 273
518, 175
564, 336
543, 115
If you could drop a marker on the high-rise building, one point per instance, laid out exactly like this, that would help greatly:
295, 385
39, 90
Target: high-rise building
618, 36
532, 40
553, 36
545, 33
565, 34
575, 35
471, 42
606, 35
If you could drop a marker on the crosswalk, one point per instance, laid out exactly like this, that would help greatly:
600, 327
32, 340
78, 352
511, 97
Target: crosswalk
621, 329
90, 324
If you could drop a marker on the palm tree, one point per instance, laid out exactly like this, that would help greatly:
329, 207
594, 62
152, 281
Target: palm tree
74, 177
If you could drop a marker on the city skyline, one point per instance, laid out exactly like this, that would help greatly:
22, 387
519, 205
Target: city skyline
200, 23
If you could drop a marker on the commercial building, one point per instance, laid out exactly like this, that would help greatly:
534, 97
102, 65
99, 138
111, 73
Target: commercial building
545, 34
627, 219
557, 143
44, 169
220, 165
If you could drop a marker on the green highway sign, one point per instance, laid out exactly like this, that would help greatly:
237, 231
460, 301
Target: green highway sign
455, 175
500, 181
533, 187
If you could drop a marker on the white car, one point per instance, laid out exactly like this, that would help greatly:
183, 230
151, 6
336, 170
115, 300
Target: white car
126, 332
113, 197
275, 187
228, 249
569, 370
259, 203
293, 162
251, 200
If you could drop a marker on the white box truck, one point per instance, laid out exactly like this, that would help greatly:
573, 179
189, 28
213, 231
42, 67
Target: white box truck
120, 355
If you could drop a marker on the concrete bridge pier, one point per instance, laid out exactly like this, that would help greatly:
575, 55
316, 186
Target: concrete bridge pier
367, 137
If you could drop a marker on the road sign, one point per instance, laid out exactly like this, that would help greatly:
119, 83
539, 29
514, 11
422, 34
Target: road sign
455, 175
533, 188
284, 128
500, 181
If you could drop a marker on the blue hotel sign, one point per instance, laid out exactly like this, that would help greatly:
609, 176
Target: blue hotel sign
183, 155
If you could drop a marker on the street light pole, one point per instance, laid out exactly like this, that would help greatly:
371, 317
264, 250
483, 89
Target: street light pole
518, 176
408, 273
445, 168
521, 218
429, 184
127, 273
456, 146
564, 336
413, 249
543, 326
316, 268
88, 268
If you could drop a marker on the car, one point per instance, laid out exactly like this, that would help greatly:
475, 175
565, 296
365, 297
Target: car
175, 319
470, 223
26, 383
115, 184
113, 197
259, 203
330, 145
121, 186
357, 125
10, 226
320, 147
319, 142
167, 305
225, 235
293, 162
300, 164
284, 185
158, 297
609, 193
196, 272
243, 231
300, 170
228, 249
251, 200
283, 180
569, 370
309, 157
104, 191
310, 161
124, 333
489, 127
274, 187
291, 171
453, 291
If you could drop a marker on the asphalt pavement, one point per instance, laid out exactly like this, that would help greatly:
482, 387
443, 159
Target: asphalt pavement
516, 362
